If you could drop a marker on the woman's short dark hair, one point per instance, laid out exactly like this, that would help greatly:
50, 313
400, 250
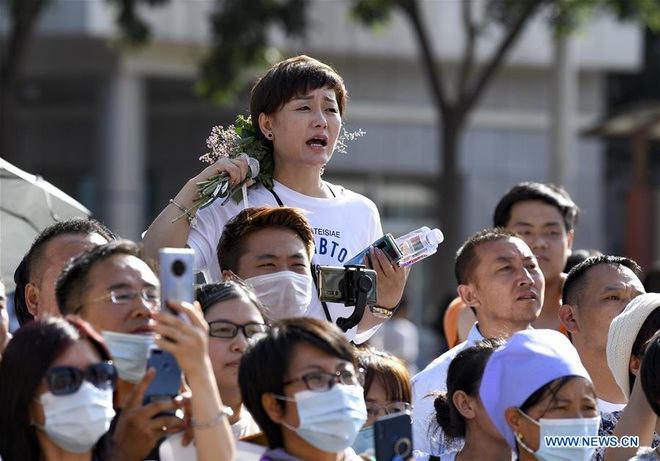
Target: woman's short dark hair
290, 78
265, 364
650, 372
389, 370
30, 353
464, 374
211, 293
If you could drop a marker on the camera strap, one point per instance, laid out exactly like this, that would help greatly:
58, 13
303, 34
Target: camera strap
323, 303
313, 268
281, 203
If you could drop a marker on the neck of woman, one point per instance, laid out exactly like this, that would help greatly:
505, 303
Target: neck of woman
480, 445
232, 398
306, 181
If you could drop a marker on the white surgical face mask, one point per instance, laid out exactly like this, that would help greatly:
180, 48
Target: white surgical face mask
573, 427
283, 294
75, 422
330, 420
129, 353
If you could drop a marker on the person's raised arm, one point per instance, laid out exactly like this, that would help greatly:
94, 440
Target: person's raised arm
163, 232
637, 419
188, 342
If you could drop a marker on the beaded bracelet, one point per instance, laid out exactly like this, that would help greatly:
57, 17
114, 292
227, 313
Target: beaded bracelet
225, 412
192, 219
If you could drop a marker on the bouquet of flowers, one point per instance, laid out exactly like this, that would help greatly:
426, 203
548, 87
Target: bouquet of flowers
242, 140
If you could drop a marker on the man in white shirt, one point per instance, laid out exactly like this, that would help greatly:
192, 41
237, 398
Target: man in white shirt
596, 291
499, 277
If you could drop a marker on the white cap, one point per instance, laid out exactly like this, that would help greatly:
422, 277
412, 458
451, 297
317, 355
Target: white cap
434, 237
623, 333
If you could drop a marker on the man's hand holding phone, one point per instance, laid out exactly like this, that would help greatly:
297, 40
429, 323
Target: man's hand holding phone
139, 426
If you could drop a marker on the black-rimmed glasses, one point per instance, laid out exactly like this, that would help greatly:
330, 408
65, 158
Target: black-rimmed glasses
125, 296
320, 381
67, 380
227, 330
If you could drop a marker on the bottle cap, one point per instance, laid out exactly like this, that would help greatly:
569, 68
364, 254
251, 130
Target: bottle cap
435, 236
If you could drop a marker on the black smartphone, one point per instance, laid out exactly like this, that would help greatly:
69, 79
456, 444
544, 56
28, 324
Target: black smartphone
176, 275
393, 437
385, 243
167, 381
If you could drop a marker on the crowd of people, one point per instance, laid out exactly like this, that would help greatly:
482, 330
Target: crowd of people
263, 370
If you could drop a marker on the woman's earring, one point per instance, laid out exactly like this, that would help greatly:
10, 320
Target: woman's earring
269, 135
520, 436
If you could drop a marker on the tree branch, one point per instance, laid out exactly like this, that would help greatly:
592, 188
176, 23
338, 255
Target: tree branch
470, 40
468, 100
434, 69
24, 14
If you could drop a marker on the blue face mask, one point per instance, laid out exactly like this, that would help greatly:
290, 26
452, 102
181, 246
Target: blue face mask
560, 428
364, 440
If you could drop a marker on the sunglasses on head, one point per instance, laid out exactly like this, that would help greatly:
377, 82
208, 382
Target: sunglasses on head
67, 380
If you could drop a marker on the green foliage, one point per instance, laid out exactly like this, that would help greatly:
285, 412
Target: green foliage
240, 28
373, 13
240, 40
134, 31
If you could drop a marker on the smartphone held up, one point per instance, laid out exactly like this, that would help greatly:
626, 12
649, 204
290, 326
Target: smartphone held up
176, 284
176, 276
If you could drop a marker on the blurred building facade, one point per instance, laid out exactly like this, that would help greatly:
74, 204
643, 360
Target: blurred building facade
122, 131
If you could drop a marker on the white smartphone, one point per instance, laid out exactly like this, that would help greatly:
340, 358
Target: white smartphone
176, 275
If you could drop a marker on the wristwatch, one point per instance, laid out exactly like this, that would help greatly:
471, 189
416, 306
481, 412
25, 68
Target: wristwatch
381, 312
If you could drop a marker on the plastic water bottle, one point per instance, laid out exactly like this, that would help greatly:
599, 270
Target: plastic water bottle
419, 244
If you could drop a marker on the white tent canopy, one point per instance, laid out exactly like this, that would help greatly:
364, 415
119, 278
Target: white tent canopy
28, 204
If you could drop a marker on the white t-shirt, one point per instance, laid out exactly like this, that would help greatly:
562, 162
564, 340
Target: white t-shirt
342, 225
608, 407
245, 426
172, 450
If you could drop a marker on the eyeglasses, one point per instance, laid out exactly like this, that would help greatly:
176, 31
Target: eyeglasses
67, 380
227, 329
320, 381
374, 410
125, 296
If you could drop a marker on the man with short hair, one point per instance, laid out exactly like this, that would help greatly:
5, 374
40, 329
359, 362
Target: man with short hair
37, 273
113, 288
596, 291
271, 248
498, 275
544, 216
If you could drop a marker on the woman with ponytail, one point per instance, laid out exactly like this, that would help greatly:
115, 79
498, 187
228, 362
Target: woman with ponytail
461, 422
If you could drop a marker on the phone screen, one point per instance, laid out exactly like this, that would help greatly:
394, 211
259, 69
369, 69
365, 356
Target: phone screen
393, 437
165, 384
